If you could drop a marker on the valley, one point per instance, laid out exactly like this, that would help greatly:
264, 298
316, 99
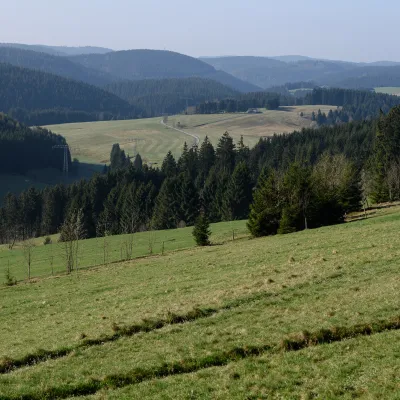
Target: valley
93, 140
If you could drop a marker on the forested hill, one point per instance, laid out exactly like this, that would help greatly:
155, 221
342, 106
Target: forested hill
157, 64
38, 98
357, 104
23, 149
52, 64
366, 77
58, 50
158, 96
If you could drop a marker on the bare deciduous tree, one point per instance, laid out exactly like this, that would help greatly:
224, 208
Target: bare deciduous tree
72, 232
27, 249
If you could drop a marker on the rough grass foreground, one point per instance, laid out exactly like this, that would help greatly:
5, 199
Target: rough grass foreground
229, 311
190, 365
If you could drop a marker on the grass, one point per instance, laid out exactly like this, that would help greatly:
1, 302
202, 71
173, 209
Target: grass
92, 141
218, 322
388, 90
49, 260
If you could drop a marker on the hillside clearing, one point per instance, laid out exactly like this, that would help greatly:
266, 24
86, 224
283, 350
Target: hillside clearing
92, 141
261, 292
388, 90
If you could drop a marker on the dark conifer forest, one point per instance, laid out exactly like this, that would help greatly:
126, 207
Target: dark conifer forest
284, 178
23, 149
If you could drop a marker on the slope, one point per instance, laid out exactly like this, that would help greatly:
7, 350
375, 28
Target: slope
267, 72
58, 50
37, 98
158, 96
306, 315
156, 64
52, 64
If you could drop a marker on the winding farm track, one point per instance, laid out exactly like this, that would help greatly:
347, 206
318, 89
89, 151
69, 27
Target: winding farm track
195, 137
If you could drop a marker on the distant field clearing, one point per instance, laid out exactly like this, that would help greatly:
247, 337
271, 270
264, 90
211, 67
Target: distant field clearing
92, 141
388, 90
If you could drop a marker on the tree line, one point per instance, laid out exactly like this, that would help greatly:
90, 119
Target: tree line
171, 96
285, 183
23, 149
242, 103
39, 98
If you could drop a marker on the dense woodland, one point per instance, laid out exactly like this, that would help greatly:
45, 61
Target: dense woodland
38, 98
23, 149
158, 96
285, 183
241, 103
62, 66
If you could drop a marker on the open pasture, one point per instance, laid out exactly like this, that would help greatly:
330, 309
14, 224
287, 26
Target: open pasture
92, 141
313, 314
388, 90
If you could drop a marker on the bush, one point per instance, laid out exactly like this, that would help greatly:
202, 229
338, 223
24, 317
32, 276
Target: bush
47, 240
9, 279
201, 231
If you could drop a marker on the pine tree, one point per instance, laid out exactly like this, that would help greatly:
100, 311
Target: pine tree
138, 163
169, 167
238, 194
225, 153
201, 230
167, 211
189, 199
206, 161
265, 211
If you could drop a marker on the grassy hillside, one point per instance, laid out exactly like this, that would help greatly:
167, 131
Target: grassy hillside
308, 315
157, 64
49, 259
94, 140
388, 90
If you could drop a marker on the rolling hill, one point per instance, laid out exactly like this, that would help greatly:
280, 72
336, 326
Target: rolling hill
268, 72
158, 96
58, 50
157, 64
61, 66
37, 98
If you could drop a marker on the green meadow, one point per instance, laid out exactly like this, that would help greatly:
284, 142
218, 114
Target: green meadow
314, 314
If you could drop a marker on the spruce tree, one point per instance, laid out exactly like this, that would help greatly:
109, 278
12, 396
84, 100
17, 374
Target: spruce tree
169, 167
138, 163
265, 211
238, 194
201, 230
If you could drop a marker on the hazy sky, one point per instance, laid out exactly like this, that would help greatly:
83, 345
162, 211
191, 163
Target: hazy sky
357, 30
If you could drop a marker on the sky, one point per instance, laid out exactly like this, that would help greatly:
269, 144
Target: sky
351, 30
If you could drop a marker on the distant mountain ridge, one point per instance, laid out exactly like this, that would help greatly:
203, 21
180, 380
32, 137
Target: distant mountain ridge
158, 64
58, 50
268, 72
61, 66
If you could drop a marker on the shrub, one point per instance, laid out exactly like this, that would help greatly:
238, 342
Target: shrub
201, 231
47, 240
9, 279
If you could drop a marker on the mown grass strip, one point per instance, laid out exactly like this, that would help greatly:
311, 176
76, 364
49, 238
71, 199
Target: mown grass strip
138, 375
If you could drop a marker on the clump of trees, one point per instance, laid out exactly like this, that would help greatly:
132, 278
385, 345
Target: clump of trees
292, 182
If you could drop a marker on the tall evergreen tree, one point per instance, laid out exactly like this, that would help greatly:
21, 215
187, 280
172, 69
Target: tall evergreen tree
238, 194
266, 209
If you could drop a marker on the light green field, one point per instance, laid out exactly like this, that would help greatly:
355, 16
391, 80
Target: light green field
388, 90
92, 141
211, 322
50, 259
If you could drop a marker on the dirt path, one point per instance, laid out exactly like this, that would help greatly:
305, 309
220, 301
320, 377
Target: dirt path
195, 137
